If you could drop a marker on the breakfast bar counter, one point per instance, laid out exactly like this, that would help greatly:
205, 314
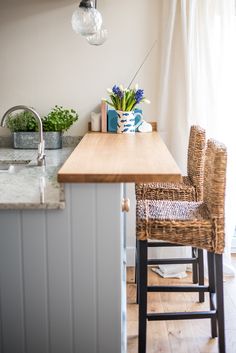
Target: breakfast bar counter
120, 158
63, 259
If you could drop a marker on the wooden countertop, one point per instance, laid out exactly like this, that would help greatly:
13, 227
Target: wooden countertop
118, 158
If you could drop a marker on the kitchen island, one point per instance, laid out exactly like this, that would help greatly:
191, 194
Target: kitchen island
63, 270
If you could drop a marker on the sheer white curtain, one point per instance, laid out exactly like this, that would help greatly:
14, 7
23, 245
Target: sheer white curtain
197, 86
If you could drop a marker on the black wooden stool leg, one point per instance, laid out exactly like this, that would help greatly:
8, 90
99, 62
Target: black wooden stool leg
142, 278
201, 274
220, 302
137, 271
195, 267
212, 288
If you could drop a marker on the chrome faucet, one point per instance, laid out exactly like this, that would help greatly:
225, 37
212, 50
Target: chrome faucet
41, 146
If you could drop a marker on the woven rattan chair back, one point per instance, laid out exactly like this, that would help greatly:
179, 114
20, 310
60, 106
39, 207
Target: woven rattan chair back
195, 163
214, 189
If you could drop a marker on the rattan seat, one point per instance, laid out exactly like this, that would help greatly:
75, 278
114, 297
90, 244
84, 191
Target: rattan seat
186, 223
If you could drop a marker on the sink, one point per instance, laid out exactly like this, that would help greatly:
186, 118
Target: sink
13, 165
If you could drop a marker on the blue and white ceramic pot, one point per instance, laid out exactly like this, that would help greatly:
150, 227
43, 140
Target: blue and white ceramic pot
126, 122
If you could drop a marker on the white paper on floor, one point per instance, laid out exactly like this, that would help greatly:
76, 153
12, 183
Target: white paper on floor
169, 273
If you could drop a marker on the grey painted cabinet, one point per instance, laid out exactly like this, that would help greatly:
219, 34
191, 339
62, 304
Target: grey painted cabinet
62, 275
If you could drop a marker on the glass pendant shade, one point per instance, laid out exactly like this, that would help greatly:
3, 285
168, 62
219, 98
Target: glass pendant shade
98, 38
86, 21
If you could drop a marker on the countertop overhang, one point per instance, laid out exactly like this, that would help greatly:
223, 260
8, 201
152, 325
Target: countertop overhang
118, 158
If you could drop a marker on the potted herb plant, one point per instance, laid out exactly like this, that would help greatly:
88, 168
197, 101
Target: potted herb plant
24, 128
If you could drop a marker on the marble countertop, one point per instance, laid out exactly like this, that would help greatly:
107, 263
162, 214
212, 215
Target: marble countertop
30, 186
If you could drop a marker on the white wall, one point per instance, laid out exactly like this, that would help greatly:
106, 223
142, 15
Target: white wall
43, 62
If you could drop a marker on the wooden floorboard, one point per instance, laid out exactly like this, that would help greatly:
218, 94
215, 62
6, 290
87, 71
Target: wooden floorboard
188, 336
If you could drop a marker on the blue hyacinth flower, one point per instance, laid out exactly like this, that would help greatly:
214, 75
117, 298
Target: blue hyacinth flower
139, 94
117, 91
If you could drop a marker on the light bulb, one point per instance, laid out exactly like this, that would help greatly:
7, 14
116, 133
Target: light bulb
86, 21
98, 38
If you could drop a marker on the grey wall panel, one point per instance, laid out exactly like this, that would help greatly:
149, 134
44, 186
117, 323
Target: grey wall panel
59, 280
1, 332
109, 256
35, 281
12, 308
83, 227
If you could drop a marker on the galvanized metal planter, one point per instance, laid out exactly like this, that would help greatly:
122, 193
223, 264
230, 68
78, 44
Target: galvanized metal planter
30, 140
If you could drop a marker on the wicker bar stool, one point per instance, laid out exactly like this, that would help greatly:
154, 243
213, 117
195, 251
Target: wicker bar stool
191, 189
197, 224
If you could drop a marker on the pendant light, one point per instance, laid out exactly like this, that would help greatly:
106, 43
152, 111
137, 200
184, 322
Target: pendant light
86, 19
99, 37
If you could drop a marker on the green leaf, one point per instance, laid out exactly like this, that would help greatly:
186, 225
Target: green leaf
59, 119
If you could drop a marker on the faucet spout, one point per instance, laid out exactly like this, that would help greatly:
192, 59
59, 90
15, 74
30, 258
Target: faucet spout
41, 146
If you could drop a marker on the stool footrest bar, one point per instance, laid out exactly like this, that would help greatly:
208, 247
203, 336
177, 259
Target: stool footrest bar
190, 289
175, 261
154, 244
181, 316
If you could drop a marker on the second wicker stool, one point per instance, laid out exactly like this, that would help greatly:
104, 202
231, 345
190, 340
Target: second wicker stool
197, 224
